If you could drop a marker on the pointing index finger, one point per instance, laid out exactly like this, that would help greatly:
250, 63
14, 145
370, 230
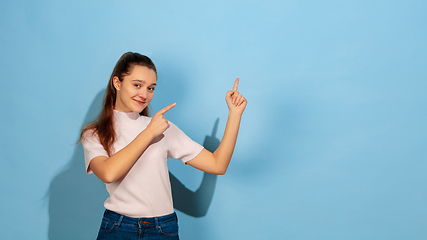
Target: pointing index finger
236, 83
165, 109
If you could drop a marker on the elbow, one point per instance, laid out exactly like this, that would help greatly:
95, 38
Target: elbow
102, 172
107, 181
219, 171
106, 178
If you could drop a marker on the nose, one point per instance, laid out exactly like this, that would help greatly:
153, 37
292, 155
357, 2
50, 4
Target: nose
142, 94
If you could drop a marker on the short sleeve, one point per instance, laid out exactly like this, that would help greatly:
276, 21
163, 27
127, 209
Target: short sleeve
92, 148
180, 145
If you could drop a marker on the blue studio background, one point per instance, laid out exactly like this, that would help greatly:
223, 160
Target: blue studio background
332, 143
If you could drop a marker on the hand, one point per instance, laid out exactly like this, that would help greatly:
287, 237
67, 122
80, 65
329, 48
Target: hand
158, 123
235, 101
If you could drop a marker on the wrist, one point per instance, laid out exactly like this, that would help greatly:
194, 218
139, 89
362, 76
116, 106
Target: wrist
146, 133
233, 113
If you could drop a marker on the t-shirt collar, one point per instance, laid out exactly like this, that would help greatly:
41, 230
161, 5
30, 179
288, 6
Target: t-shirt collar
126, 116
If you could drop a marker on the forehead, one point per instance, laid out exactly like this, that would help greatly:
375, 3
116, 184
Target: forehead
142, 73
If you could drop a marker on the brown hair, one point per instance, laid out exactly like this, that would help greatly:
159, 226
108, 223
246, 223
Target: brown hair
103, 125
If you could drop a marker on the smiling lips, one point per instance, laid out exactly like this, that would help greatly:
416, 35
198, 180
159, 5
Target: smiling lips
139, 102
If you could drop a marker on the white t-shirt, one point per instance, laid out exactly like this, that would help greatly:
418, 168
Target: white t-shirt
145, 191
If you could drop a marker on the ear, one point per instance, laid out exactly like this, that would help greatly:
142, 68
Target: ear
117, 84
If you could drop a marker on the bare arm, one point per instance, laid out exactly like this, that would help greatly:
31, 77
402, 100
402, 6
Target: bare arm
112, 168
217, 162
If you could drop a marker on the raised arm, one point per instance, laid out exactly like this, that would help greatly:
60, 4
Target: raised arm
112, 168
217, 162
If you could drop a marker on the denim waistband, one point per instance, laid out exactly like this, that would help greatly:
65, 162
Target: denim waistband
145, 222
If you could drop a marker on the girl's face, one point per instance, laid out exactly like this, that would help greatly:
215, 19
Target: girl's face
136, 90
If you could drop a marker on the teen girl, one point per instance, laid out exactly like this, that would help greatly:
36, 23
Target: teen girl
128, 151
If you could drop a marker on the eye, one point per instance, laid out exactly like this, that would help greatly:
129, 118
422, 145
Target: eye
137, 85
151, 88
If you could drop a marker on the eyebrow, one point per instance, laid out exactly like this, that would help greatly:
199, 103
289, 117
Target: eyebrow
142, 81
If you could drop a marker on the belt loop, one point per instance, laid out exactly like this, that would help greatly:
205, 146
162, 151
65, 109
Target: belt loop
120, 220
156, 221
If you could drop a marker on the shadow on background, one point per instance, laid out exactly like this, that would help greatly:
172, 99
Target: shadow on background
196, 203
76, 198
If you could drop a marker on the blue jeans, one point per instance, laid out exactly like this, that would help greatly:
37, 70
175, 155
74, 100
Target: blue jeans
116, 226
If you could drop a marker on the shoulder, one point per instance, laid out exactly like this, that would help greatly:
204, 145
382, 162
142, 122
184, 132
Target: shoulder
172, 126
89, 134
173, 130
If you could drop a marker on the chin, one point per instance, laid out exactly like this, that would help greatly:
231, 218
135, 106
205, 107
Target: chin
138, 110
